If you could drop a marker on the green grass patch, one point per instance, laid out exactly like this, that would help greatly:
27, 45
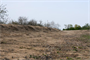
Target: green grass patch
87, 36
68, 58
78, 58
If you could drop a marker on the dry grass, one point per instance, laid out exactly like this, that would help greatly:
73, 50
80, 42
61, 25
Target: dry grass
44, 44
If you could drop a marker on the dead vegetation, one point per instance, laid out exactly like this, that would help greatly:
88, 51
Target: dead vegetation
40, 43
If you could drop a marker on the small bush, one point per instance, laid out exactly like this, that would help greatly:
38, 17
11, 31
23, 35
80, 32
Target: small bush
52, 25
22, 20
14, 22
32, 22
74, 48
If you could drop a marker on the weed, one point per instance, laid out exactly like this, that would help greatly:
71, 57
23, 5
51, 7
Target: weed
29, 48
31, 56
57, 52
74, 48
68, 58
35, 57
80, 47
21, 47
2, 42
45, 54
78, 58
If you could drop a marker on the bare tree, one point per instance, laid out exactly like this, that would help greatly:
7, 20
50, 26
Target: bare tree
3, 14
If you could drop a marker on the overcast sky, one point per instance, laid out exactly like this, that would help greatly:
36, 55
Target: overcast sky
60, 11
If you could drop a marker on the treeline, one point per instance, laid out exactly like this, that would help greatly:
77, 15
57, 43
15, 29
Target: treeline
77, 27
23, 20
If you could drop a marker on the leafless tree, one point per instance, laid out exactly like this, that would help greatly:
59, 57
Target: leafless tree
3, 14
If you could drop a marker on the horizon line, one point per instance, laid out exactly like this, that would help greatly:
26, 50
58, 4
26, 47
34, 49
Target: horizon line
44, 1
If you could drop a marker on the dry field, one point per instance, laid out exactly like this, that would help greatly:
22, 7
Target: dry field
41, 43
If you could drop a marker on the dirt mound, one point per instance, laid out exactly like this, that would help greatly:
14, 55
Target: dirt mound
11, 28
43, 45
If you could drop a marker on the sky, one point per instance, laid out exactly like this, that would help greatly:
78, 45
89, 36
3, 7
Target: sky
60, 11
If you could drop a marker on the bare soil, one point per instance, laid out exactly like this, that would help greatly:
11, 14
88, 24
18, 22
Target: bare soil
40, 43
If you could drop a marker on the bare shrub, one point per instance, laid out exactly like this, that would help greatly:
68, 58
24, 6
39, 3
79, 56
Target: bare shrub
52, 25
13, 22
32, 22
22, 20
